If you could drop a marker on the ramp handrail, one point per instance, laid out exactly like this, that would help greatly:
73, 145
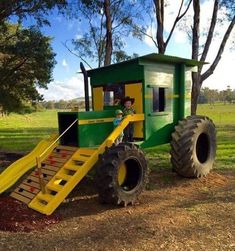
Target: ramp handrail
38, 159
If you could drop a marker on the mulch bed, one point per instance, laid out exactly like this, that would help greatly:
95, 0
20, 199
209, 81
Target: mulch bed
17, 217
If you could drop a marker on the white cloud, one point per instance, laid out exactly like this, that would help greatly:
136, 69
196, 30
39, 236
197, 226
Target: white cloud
64, 63
67, 89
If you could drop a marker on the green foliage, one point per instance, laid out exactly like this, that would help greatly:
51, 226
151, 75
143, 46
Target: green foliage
211, 96
37, 9
23, 69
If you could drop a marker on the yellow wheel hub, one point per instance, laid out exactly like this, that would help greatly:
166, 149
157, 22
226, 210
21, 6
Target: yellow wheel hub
122, 174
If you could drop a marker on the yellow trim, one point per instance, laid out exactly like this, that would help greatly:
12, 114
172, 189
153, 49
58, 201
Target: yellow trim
134, 90
98, 98
94, 121
170, 96
122, 174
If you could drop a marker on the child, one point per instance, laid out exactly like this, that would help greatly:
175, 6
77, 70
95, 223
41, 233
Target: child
116, 122
127, 102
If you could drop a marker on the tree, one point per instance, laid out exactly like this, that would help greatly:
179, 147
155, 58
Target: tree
200, 76
24, 8
107, 24
23, 69
194, 33
161, 38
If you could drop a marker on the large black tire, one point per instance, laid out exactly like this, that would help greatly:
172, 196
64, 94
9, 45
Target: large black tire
193, 146
110, 188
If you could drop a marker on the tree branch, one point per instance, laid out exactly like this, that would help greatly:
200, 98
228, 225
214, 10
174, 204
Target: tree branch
177, 19
65, 45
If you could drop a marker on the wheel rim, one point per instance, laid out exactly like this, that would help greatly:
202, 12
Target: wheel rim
203, 148
130, 175
122, 174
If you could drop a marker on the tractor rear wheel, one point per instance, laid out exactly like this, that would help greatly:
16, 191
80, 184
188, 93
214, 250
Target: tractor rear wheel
121, 174
193, 146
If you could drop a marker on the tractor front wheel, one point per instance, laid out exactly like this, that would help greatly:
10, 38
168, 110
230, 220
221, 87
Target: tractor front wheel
121, 174
193, 146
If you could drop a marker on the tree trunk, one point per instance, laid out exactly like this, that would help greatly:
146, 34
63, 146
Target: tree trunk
195, 52
109, 44
159, 6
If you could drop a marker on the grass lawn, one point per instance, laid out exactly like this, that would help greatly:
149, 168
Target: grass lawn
22, 133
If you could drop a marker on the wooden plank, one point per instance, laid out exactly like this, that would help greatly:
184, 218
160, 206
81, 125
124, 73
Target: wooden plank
61, 155
32, 184
45, 178
52, 168
68, 148
33, 178
53, 163
24, 193
29, 189
48, 172
60, 160
20, 197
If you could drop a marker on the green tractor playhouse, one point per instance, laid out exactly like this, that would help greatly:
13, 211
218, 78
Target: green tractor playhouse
161, 87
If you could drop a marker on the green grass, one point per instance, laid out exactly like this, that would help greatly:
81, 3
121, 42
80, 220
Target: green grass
22, 133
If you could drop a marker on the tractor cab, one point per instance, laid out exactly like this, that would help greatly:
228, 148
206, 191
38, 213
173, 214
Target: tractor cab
161, 87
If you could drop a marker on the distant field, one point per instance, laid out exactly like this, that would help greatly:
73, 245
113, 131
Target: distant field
22, 133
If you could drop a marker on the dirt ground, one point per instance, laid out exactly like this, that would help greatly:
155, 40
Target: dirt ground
172, 214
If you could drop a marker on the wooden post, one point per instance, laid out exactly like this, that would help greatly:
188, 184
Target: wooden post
40, 175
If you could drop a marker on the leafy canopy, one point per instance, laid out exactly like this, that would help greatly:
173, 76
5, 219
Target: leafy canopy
26, 62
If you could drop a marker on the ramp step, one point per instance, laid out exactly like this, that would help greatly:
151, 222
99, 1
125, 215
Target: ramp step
80, 158
63, 176
45, 197
54, 187
20, 197
87, 151
71, 167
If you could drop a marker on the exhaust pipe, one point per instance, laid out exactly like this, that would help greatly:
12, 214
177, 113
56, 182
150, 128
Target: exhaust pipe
86, 89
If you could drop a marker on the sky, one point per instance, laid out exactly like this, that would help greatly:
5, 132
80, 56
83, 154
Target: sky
68, 83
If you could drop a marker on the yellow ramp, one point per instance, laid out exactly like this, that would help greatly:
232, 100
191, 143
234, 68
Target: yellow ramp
9, 176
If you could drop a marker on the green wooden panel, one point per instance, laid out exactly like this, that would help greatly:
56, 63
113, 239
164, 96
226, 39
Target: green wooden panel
94, 134
158, 125
118, 73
